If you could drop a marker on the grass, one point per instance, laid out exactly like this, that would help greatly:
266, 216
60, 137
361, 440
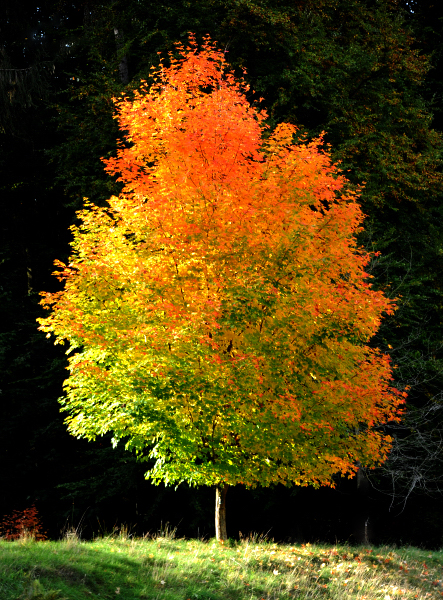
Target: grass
165, 568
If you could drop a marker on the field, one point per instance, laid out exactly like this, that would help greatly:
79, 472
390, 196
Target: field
165, 568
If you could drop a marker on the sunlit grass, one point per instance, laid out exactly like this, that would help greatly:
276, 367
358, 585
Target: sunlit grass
172, 569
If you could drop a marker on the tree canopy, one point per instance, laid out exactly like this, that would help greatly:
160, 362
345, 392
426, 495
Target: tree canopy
219, 312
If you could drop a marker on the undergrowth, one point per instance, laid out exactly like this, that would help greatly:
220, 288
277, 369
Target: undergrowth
165, 568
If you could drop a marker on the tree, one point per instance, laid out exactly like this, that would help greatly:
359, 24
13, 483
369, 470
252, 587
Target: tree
219, 312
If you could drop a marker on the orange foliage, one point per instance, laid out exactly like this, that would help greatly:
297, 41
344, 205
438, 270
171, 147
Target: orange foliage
22, 523
221, 309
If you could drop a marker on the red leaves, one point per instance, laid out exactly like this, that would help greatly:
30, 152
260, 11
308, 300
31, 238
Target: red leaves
22, 523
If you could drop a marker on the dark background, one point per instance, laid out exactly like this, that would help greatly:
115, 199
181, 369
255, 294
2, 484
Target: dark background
369, 74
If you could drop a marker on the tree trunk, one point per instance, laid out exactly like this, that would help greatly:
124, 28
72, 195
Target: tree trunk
362, 522
123, 64
220, 512
28, 272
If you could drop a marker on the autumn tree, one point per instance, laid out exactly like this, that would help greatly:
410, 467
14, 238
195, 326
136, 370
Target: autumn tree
219, 312
367, 74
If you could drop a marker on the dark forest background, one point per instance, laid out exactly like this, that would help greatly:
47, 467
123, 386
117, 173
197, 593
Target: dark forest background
369, 74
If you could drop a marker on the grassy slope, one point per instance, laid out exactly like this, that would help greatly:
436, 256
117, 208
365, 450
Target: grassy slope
172, 569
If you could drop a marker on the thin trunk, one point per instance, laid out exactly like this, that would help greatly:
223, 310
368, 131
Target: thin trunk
123, 64
362, 522
220, 512
28, 272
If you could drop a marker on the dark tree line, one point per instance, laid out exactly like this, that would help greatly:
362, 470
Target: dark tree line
368, 73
